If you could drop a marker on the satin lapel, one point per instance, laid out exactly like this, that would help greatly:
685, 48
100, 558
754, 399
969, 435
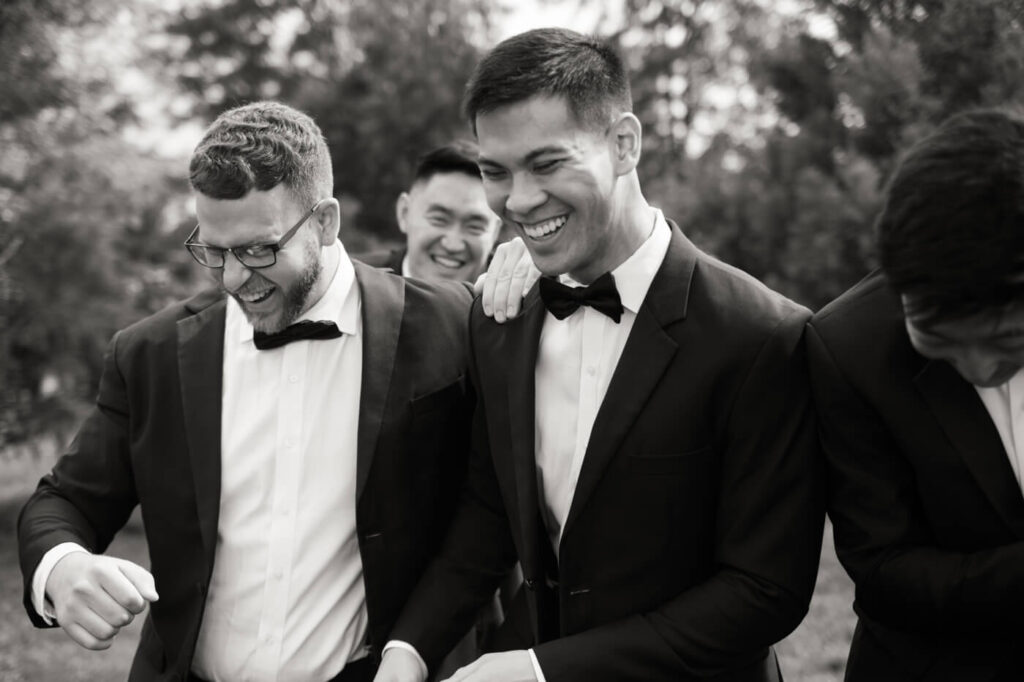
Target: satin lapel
647, 353
200, 370
967, 424
383, 303
523, 337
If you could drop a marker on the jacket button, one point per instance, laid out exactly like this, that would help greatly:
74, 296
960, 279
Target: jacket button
530, 583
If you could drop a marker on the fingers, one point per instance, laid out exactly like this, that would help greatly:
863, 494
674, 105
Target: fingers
494, 269
141, 580
95, 596
524, 275
92, 630
80, 636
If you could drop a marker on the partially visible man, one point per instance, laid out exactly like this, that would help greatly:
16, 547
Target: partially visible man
643, 440
917, 378
450, 231
295, 438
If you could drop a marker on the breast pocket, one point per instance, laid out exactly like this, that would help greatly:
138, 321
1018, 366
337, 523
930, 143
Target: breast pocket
438, 399
668, 463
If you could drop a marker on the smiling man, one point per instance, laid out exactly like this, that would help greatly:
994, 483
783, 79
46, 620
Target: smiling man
294, 437
449, 228
643, 442
918, 383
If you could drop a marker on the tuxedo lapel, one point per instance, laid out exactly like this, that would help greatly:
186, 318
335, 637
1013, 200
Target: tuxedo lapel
383, 302
200, 369
967, 424
523, 335
647, 353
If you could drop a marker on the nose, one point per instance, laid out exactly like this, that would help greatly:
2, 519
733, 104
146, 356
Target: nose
234, 275
452, 243
525, 195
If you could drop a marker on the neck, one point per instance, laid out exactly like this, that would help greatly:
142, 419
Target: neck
631, 223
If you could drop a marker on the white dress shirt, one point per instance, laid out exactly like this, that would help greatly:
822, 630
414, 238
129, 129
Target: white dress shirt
286, 600
1005, 404
575, 362
576, 359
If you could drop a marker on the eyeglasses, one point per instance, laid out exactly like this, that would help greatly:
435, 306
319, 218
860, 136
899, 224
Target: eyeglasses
261, 255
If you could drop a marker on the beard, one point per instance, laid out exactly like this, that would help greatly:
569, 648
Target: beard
293, 298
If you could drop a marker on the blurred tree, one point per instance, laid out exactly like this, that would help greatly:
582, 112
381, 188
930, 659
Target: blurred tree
72, 193
383, 80
786, 183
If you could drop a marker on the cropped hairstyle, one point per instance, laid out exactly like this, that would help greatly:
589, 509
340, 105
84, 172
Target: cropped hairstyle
951, 232
259, 146
551, 62
458, 157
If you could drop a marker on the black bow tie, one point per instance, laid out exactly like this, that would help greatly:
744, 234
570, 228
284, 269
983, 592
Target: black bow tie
562, 301
307, 329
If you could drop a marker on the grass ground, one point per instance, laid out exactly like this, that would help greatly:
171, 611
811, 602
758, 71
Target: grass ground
815, 652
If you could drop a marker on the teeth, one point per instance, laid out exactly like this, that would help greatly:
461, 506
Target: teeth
253, 297
447, 262
538, 230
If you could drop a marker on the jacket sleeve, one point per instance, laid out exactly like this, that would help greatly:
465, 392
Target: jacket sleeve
90, 493
477, 552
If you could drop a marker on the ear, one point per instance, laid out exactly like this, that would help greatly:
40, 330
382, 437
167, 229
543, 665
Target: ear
328, 221
626, 137
402, 211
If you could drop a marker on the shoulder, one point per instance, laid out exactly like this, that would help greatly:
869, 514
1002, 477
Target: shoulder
863, 329
163, 323
722, 294
383, 259
865, 310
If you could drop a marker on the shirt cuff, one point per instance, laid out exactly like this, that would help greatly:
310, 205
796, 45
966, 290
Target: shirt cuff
398, 644
536, 666
39, 601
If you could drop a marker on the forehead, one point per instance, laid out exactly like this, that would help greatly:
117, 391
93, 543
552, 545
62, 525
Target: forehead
518, 129
452, 190
256, 216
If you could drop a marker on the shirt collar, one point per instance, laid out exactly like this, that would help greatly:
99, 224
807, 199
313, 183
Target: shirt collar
633, 277
339, 303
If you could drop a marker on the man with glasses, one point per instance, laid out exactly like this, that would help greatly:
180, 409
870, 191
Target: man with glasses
293, 443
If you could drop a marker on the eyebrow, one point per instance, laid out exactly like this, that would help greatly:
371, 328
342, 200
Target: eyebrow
550, 149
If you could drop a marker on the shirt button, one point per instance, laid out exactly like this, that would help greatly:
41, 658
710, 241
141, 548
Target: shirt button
293, 379
289, 443
591, 370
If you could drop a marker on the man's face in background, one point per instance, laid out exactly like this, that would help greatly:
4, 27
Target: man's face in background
449, 227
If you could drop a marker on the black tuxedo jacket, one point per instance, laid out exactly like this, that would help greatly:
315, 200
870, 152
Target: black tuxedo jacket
153, 439
388, 260
693, 538
929, 519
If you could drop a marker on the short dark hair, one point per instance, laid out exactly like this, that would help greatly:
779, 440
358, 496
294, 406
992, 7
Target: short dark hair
260, 146
951, 232
457, 157
555, 62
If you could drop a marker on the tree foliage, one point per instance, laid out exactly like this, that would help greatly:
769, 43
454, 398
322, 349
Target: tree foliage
787, 188
383, 80
73, 193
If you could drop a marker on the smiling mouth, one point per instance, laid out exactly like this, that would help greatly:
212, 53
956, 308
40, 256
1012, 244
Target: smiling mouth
255, 297
446, 262
544, 230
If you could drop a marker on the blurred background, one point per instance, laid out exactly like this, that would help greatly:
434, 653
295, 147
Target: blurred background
770, 128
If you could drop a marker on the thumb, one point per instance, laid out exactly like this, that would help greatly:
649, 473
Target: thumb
140, 578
